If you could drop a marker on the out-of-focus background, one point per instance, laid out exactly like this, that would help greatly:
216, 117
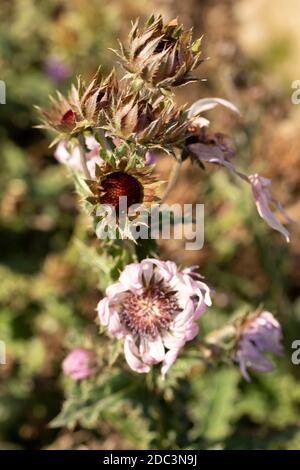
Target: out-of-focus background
46, 289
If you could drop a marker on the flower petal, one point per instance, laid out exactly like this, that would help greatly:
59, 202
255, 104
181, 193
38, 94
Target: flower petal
260, 188
131, 356
152, 350
205, 104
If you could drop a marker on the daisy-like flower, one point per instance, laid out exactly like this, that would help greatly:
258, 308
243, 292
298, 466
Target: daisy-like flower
260, 333
71, 156
154, 307
78, 364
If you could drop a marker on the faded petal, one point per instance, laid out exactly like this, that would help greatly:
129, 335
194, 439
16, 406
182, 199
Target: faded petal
263, 199
152, 350
168, 361
205, 104
131, 355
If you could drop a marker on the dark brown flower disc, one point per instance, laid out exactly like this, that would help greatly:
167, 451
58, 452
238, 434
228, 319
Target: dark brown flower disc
120, 184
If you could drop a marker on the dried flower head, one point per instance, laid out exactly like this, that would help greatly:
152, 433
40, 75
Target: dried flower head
163, 55
154, 307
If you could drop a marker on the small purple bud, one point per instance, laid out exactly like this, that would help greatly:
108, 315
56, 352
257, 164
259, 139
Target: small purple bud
78, 364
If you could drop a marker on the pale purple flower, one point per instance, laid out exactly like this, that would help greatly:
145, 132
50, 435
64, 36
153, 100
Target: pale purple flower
217, 151
260, 185
260, 334
154, 308
71, 157
78, 364
56, 70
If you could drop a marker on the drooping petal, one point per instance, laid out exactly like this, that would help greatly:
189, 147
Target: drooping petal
152, 350
114, 326
130, 278
103, 311
131, 356
261, 192
205, 104
168, 361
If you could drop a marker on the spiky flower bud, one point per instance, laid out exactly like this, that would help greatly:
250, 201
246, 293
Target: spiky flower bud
163, 55
137, 118
81, 111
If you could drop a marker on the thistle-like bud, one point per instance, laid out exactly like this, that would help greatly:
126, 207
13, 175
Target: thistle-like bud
163, 55
81, 111
60, 117
90, 100
135, 117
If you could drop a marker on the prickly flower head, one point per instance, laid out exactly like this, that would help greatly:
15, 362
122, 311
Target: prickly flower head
163, 55
60, 118
137, 118
90, 100
82, 109
122, 180
154, 307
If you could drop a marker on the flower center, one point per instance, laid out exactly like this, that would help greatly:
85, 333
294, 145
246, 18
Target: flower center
118, 185
148, 313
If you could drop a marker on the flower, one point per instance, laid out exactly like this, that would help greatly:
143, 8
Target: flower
78, 364
71, 158
217, 149
114, 181
259, 334
154, 307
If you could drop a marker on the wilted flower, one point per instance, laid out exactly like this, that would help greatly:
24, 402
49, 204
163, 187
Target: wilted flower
69, 155
78, 364
163, 55
154, 307
217, 149
260, 333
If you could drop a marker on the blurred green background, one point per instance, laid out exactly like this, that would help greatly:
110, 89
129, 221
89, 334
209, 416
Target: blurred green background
47, 290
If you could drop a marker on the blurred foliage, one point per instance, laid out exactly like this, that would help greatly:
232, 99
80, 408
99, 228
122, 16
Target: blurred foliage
48, 289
